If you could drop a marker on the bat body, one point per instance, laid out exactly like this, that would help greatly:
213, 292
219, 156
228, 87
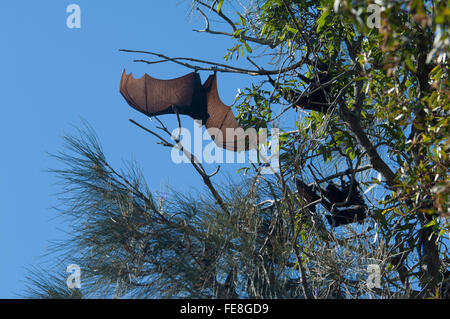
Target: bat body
346, 216
186, 95
339, 216
356, 208
315, 98
336, 195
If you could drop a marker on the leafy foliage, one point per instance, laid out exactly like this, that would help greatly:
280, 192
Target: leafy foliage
386, 129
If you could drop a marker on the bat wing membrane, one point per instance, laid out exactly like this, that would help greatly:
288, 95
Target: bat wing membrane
153, 96
222, 124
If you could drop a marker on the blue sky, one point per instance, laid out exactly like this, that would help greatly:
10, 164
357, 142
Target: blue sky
53, 76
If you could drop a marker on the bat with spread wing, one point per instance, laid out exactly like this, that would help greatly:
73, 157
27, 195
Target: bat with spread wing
186, 95
157, 97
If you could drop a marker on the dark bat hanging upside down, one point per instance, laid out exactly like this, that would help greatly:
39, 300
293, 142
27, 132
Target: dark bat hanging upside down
186, 95
315, 98
341, 216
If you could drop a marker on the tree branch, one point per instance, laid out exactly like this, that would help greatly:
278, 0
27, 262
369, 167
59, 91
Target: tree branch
377, 162
232, 35
217, 67
194, 161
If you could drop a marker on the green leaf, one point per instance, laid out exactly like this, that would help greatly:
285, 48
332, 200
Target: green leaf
242, 19
432, 223
321, 21
243, 169
219, 6
263, 30
410, 65
247, 47
294, 31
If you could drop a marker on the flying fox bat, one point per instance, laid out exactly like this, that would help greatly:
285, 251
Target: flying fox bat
346, 216
336, 195
338, 216
315, 98
186, 95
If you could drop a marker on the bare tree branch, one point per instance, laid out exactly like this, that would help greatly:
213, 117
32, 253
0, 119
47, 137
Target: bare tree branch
217, 67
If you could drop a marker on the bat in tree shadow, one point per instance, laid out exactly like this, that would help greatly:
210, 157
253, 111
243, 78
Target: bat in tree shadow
316, 97
186, 95
354, 211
